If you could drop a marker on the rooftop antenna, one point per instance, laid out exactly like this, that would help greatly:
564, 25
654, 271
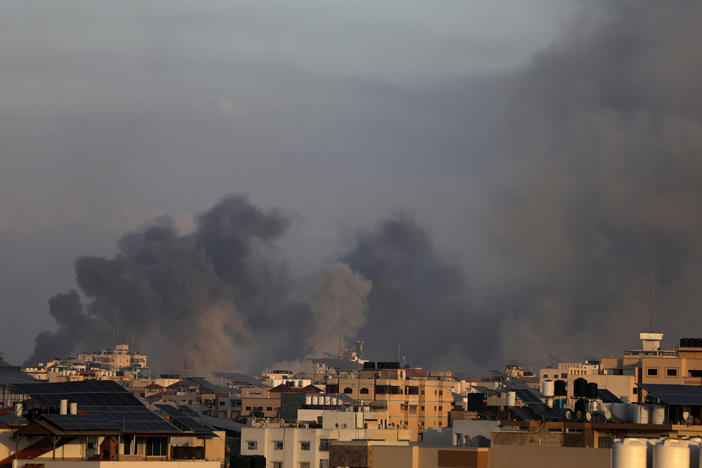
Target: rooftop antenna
341, 328
399, 352
359, 343
651, 304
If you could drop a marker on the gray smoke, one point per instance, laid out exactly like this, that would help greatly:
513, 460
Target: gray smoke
338, 306
202, 301
592, 182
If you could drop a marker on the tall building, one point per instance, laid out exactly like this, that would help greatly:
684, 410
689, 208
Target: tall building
414, 401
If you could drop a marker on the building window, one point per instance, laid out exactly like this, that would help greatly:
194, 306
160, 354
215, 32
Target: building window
422, 392
156, 446
422, 407
564, 376
268, 408
348, 390
695, 373
635, 391
305, 446
413, 409
440, 408
323, 463
277, 445
323, 445
277, 465
251, 444
441, 392
652, 371
364, 391
304, 464
671, 372
248, 408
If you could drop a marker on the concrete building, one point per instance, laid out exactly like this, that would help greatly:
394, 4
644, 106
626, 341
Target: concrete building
413, 403
307, 447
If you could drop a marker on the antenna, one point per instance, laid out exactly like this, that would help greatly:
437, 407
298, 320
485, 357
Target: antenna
651, 304
399, 352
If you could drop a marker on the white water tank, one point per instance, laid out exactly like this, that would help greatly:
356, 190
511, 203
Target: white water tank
327, 400
619, 411
629, 453
638, 414
658, 415
63, 407
73, 408
671, 454
548, 388
511, 398
308, 400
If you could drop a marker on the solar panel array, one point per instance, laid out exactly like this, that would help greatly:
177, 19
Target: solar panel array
102, 405
527, 395
187, 422
606, 396
675, 394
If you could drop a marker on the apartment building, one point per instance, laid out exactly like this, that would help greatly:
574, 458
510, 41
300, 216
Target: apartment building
413, 402
308, 447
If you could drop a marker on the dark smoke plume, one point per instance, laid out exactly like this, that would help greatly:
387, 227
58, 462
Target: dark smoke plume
597, 182
202, 301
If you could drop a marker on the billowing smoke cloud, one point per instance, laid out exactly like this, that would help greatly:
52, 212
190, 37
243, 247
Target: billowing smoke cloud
596, 180
200, 301
338, 306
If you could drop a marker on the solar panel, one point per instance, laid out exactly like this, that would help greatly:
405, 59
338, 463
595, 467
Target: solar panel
675, 394
606, 396
188, 422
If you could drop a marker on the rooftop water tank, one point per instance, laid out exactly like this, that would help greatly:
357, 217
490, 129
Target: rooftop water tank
619, 411
63, 407
629, 453
658, 415
511, 399
591, 390
580, 388
548, 388
640, 415
73, 408
560, 388
671, 454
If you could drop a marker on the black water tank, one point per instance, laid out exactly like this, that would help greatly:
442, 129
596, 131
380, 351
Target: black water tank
580, 388
258, 461
675, 414
698, 342
592, 390
560, 388
683, 342
369, 365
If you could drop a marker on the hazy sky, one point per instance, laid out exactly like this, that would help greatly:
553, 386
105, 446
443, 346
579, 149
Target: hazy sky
337, 112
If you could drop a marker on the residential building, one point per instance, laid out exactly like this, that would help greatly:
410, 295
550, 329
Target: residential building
413, 402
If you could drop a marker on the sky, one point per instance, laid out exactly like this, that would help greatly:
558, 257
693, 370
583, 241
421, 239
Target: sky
456, 119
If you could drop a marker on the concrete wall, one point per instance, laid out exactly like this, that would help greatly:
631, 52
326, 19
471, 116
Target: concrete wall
395, 457
120, 464
521, 456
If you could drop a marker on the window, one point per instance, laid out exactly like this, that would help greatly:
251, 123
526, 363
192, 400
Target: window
695, 373
403, 407
652, 371
277, 464
323, 463
364, 391
332, 389
323, 445
564, 376
305, 446
156, 446
304, 464
441, 392
422, 407
277, 445
635, 391
413, 409
671, 372
251, 445
422, 392
248, 408
440, 408
222, 403
348, 390
268, 408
